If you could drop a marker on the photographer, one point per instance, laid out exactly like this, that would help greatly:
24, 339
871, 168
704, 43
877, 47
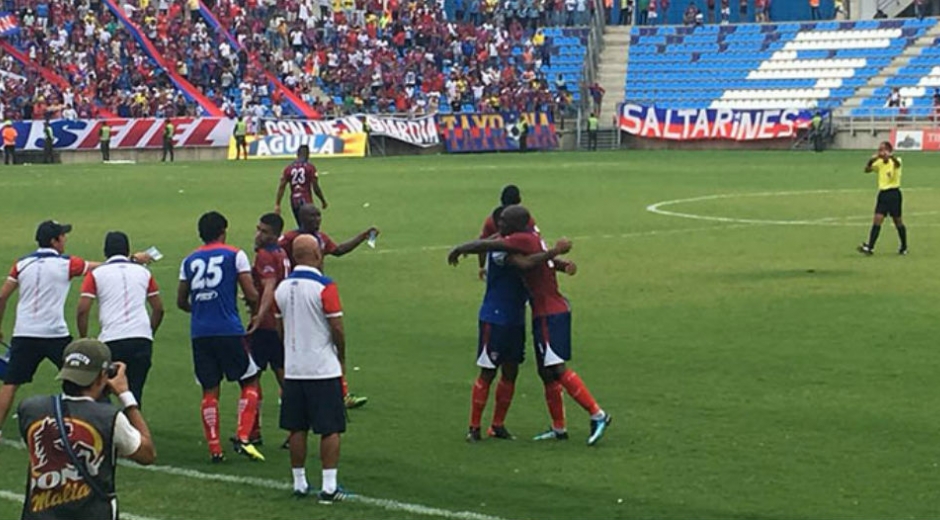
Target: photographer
76, 479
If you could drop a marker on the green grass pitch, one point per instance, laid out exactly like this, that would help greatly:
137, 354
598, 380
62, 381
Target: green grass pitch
756, 366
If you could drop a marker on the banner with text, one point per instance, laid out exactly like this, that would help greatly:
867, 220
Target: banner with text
125, 133
496, 132
286, 146
8, 24
926, 140
723, 124
420, 132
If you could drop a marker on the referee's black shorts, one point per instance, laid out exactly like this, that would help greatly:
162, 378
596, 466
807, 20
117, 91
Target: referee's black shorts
889, 202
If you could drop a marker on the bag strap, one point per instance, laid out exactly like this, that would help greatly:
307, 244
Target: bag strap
67, 446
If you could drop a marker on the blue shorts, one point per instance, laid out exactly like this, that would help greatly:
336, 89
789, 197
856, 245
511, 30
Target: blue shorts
215, 356
267, 349
552, 338
500, 344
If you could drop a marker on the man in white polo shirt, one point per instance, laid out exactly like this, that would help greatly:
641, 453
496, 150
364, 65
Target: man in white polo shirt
314, 359
40, 331
123, 290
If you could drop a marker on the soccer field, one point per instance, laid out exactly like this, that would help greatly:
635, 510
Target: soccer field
755, 365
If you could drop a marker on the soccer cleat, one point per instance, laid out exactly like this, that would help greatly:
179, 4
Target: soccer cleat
256, 440
473, 435
354, 401
217, 458
551, 434
598, 428
328, 498
865, 249
301, 494
500, 432
286, 445
902, 251
246, 449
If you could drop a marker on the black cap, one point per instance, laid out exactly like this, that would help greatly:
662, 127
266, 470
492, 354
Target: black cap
49, 230
116, 243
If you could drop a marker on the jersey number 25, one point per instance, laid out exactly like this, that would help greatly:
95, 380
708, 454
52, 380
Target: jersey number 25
206, 276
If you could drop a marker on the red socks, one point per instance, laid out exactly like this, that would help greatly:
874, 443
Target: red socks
247, 411
504, 391
210, 423
256, 427
556, 405
579, 392
480, 394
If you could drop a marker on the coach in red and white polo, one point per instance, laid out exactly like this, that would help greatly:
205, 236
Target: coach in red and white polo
123, 289
40, 331
314, 356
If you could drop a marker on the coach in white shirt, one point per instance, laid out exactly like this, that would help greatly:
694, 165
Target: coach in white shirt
314, 358
40, 331
123, 290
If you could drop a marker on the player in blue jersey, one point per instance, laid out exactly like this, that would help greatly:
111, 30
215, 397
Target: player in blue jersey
501, 344
208, 289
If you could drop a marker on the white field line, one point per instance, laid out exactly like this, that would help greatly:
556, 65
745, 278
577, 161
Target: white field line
390, 505
657, 208
16, 497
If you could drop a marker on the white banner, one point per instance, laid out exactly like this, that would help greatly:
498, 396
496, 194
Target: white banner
420, 132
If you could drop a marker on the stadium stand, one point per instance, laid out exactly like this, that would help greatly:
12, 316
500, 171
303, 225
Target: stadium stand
787, 65
916, 83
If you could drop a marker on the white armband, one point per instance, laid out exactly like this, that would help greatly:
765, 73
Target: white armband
127, 399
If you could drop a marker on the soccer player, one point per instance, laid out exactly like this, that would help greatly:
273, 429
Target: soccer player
551, 318
208, 289
40, 331
302, 177
123, 290
310, 219
509, 196
501, 344
270, 267
314, 362
888, 168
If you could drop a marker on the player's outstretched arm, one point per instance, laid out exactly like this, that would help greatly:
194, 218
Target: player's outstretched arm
476, 247
354, 242
182, 297
526, 262
9, 286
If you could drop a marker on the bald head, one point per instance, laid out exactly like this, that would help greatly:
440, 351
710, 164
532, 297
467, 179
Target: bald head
307, 251
514, 219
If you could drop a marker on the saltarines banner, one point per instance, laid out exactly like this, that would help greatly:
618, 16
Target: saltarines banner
496, 132
286, 146
8, 24
421, 132
125, 133
926, 140
723, 124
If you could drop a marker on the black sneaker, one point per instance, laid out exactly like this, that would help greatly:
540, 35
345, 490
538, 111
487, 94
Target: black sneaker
218, 458
328, 498
286, 445
865, 249
473, 435
902, 251
500, 432
301, 494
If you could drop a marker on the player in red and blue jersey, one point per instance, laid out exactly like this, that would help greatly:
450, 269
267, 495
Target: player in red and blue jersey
551, 317
270, 267
302, 177
501, 344
508, 197
208, 290
309, 218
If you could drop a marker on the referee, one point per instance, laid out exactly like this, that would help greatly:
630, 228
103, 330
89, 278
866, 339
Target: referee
888, 168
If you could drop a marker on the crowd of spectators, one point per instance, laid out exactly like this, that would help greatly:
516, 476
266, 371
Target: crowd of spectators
338, 56
353, 56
